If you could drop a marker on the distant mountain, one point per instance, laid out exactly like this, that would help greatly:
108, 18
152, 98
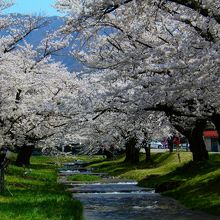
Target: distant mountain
64, 55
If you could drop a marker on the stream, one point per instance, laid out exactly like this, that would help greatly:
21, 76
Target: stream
114, 199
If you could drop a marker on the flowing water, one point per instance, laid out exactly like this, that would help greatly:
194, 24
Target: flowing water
126, 201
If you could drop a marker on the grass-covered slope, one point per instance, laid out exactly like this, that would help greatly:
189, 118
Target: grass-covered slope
200, 182
161, 163
201, 187
36, 195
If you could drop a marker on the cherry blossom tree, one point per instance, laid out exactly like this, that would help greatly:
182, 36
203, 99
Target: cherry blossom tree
33, 84
30, 98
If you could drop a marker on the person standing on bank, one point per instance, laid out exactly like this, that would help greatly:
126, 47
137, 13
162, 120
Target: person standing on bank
170, 143
176, 143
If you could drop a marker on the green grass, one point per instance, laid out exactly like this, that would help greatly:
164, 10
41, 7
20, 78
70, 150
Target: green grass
161, 163
200, 188
85, 178
37, 195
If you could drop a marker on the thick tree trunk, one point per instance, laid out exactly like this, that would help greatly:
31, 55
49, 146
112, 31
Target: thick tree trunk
196, 141
198, 149
24, 155
132, 153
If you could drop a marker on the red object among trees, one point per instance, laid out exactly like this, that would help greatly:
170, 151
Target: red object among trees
210, 134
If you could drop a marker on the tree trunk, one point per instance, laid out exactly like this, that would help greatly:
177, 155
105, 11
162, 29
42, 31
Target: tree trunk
170, 144
198, 149
3, 164
24, 155
108, 154
147, 153
132, 153
2, 179
196, 141
216, 121
197, 145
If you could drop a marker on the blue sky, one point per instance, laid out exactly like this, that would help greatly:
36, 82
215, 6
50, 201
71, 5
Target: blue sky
43, 7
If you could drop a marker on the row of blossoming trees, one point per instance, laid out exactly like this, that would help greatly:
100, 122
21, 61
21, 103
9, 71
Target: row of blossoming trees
154, 57
152, 66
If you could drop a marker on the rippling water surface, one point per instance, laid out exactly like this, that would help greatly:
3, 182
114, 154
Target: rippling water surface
126, 201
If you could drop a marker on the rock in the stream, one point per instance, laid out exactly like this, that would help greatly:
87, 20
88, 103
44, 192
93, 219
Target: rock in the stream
169, 185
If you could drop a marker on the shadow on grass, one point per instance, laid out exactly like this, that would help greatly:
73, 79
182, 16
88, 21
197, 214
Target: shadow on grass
185, 172
199, 193
161, 157
192, 169
118, 167
41, 166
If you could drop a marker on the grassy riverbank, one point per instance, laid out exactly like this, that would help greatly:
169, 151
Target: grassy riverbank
200, 182
35, 194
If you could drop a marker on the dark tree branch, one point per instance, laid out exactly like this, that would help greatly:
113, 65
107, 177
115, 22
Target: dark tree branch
169, 110
101, 112
18, 96
112, 7
198, 7
21, 36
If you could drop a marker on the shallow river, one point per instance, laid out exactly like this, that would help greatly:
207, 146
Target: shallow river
126, 201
